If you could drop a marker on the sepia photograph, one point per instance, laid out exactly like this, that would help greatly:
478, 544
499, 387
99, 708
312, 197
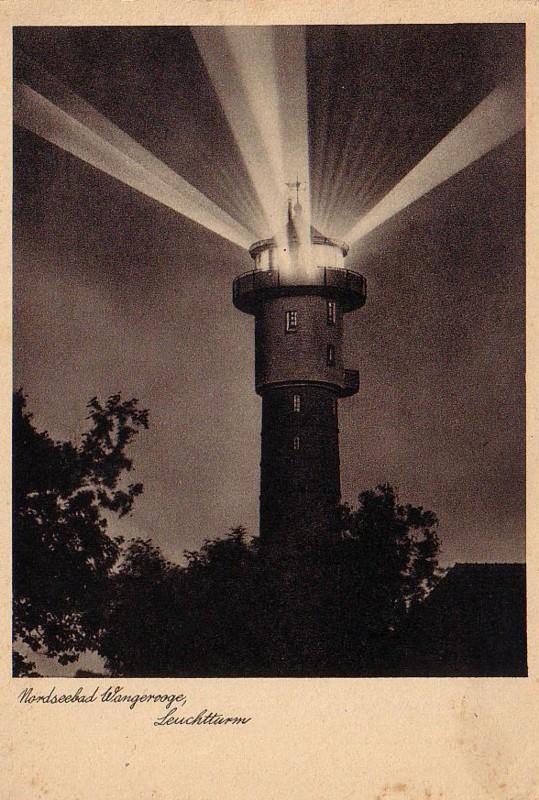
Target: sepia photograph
269, 412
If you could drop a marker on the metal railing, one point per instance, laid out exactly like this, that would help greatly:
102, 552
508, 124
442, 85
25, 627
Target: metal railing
332, 277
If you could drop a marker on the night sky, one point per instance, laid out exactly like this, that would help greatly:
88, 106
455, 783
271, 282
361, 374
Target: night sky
115, 292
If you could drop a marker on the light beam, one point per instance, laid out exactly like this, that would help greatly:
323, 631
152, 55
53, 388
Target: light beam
259, 75
291, 66
81, 130
245, 91
499, 116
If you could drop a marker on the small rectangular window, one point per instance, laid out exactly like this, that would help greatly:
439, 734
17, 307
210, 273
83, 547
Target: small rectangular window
334, 408
291, 321
331, 355
332, 312
296, 443
297, 402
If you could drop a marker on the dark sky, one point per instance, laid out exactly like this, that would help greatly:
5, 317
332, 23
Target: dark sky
115, 292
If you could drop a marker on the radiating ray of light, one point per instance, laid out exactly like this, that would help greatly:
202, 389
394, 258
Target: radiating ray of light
264, 167
241, 204
291, 65
326, 48
353, 161
498, 117
253, 53
259, 75
81, 130
369, 166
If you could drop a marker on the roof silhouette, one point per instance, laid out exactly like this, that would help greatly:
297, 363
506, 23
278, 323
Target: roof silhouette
473, 623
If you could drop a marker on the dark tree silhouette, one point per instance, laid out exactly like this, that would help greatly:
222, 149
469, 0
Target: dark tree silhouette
143, 617
62, 553
321, 606
324, 604
22, 667
332, 604
387, 562
164, 619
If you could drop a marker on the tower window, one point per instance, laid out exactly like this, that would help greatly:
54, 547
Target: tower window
334, 407
330, 358
291, 321
332, 312
297, 402
295, 443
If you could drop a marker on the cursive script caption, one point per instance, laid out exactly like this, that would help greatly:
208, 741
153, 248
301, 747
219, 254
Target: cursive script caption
174, 707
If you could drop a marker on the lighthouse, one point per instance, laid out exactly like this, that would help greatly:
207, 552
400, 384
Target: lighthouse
299, 293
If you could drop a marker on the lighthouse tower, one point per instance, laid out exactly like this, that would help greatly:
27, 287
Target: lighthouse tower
299, 293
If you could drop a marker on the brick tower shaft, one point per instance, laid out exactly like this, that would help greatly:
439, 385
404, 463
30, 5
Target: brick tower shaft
300, 375
299, 469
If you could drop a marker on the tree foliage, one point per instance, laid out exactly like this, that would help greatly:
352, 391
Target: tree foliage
165, 619
62, 552
316, 607
326, 604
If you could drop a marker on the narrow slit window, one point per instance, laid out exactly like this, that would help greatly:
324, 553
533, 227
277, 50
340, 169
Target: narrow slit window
332, 312
291, 321
296, 443
297, 402
331, 355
